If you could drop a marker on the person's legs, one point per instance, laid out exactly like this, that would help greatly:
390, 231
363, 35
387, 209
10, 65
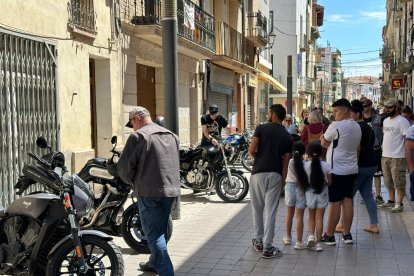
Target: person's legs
299, 224
388, 181
319, 223
273, 187
154, 213
257, 200
364, 182
290, 212
312, 221
334, 214
290, 202
348, 214
399, 177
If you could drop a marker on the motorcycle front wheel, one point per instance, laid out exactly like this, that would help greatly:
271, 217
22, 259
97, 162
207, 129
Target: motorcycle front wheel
102, 258
247, 161
133, 232
234, 193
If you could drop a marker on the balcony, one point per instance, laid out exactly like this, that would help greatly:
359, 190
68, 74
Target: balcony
257, 29
233, 50
195, 27
82, 17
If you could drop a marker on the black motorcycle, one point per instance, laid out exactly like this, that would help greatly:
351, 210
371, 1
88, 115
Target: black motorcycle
108, 196
205, 169
39, 233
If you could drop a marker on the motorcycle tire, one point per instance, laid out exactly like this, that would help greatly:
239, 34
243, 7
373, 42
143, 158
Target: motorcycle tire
133, 232
232, 195
247, 161
104, 257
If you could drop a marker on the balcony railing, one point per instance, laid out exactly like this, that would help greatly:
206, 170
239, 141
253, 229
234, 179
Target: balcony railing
193, 22
257, 26
82, 15
233, 44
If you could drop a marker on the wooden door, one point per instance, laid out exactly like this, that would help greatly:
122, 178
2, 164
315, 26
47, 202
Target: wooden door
146, 88
92, 91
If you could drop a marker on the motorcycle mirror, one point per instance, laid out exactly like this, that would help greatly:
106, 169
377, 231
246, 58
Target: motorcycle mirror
114, 139
41, 142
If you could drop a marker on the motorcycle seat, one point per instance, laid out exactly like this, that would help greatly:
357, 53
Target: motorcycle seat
2, 212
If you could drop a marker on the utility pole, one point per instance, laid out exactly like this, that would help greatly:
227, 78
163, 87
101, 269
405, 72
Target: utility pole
321, 95
289, 85
170, 72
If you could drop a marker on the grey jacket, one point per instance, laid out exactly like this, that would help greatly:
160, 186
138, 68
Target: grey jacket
150, 162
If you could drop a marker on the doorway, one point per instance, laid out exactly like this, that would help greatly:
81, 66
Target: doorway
146, 88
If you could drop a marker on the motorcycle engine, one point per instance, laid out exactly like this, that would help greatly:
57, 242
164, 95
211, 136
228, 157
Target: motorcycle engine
198, 175
19, 234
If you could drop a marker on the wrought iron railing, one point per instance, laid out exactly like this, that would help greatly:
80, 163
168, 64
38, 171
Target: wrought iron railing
82, 15
233, 44
195, 24
257, 26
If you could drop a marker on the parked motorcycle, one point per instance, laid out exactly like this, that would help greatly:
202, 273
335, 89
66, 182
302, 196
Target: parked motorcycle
237, 146
107, 213
206, 169
39, 233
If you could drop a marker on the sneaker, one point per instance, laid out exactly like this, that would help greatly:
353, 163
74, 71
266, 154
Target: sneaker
300, 245
146, 266
379, 200
257, 245
388, 204
287, 240
328, 240
271, 253
347, 238
311, 241
318, 247
398, 208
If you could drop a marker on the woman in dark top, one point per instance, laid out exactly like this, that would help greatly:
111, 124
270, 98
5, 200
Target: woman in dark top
367, 166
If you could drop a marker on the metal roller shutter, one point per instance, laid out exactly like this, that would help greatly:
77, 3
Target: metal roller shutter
249, 110
221, 100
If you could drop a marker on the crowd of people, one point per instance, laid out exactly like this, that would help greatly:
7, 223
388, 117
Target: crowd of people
322, 163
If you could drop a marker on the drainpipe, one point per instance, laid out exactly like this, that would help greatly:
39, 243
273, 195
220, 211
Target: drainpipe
170, 72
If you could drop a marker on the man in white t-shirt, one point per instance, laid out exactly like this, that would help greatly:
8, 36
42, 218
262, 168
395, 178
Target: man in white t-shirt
393, 155
342, 138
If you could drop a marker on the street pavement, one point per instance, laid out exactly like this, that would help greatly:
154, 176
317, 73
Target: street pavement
214, 238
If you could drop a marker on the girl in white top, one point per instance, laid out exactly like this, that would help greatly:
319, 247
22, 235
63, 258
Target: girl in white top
319, 174
296, 185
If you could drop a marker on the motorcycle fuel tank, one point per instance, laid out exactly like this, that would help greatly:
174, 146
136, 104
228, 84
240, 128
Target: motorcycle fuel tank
83, 197
32, 205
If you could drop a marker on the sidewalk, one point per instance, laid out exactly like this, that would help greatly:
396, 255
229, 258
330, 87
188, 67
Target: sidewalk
214, 238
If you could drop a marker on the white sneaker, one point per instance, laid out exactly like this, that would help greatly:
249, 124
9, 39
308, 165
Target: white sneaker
311, 241
318, 247
300, 245
398, 207
287, 240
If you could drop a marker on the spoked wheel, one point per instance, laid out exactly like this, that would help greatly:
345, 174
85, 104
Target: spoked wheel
234, 193
102, 257
133, 232
246, 161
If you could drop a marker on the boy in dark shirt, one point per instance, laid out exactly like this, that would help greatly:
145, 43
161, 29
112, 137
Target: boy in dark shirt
212, 124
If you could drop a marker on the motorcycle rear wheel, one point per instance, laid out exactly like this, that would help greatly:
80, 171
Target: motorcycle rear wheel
103, 258
246, 160
133, 232
232, 194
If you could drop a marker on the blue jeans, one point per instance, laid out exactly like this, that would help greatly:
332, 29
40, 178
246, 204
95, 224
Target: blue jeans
155, 212
363, 184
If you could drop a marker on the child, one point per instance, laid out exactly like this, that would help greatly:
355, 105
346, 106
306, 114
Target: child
320, 177
296, 185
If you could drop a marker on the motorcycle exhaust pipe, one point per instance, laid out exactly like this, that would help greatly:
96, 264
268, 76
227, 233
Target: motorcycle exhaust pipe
97, 212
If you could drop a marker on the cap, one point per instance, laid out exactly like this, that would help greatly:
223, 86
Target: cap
213, 109
391, 102
366, 101
137, 111
288, 117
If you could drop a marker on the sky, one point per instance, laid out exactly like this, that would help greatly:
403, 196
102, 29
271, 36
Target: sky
355, 28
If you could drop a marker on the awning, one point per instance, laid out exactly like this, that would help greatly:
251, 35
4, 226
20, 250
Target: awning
268, 78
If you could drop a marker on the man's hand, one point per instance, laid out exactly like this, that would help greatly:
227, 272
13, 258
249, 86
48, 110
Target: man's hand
214, 142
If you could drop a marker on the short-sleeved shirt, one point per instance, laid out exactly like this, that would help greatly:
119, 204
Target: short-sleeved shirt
213, 126
274, 142
376, 121
394, 131
366, 151
342, 154
325, 168
291, 176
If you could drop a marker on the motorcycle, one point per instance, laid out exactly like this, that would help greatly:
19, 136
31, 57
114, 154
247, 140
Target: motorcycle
205, 169
40, 234
107, 213
237, 146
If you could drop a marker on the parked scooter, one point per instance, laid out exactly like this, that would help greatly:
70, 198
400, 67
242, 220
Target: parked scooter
39, 233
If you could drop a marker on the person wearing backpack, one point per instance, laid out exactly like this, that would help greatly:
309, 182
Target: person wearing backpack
314, 130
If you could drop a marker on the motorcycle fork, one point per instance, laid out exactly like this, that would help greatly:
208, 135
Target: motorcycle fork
227, 167
74, 229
